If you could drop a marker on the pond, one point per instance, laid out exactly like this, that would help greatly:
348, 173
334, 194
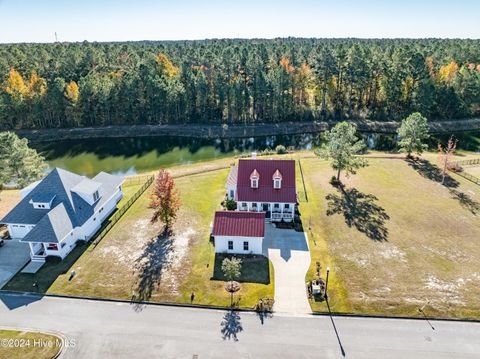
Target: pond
126, 156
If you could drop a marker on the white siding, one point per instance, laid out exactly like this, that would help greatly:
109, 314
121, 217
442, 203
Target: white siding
254, 244
19, 230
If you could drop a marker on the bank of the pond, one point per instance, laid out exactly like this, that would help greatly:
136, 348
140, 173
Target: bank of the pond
132, 155
208, 131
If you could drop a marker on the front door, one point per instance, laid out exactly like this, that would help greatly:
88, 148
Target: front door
266, 209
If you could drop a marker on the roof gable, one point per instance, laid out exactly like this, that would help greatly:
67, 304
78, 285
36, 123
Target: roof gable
52, 228
266, 170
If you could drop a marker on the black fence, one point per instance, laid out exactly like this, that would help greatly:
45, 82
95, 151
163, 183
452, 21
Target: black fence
119, 213
457, 169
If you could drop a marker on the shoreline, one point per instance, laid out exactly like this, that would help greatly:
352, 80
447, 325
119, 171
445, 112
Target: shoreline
232, 131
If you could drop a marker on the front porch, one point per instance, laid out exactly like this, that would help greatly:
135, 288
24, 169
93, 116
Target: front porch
274, 212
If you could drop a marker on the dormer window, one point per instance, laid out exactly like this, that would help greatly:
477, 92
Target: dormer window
277, 180
42, 200
96, 196
254, 178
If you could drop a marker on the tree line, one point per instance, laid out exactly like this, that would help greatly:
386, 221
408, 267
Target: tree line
236, 81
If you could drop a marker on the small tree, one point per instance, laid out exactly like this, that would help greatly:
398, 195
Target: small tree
342, 147
445, 153
230, 204
413, 132
232, 269
18, 162
164, 199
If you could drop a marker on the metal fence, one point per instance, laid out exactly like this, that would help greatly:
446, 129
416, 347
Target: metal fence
474, 161
302, 195
119, 213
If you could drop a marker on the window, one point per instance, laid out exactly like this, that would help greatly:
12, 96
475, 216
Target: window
276, 205
245, 246
287, 206
230, 245
96, 196
232, 193
254, 204
244, 204
52, 247
277, 184
254, 183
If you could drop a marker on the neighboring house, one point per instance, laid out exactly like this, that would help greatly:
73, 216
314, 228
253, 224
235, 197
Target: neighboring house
61, 209
238, 232
264, 185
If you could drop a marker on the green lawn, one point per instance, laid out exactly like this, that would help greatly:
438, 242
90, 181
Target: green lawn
135, 262
396, 241
29, 350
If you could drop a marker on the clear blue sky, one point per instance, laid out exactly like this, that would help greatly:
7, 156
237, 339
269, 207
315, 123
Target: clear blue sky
78, 20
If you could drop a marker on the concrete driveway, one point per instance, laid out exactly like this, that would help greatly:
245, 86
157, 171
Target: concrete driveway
289, 253
13, 256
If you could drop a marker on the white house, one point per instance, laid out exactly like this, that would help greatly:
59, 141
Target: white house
264, 186
238, 232
60, 210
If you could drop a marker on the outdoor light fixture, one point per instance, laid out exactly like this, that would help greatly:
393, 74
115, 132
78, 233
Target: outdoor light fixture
326, 284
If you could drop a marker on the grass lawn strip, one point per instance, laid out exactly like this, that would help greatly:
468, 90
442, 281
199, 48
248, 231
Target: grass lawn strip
28, 345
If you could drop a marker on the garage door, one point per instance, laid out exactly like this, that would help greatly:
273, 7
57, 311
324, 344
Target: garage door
18, 230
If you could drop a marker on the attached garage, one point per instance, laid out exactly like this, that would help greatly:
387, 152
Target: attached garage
239, 232
19, 230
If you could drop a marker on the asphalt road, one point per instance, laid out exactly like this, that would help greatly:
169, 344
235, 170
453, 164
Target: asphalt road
121, 330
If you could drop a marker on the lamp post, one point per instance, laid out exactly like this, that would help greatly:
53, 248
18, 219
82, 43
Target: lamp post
326, 284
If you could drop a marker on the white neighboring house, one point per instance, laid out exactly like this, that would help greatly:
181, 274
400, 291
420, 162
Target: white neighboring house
264, 186
61, 209
238, 232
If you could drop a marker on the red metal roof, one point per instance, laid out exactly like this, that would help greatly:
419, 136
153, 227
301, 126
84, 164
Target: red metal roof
239, 224
265, 191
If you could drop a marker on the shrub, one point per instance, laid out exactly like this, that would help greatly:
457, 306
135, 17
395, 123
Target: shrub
230, 204
281, 150
334, 181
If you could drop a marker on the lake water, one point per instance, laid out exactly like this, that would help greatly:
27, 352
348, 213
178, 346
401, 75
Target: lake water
141, 154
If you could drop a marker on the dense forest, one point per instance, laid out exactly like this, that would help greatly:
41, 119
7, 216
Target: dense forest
236, 81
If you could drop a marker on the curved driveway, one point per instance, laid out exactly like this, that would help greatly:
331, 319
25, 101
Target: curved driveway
289, 253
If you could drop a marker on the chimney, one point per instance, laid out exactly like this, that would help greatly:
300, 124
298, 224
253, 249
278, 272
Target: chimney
254, 155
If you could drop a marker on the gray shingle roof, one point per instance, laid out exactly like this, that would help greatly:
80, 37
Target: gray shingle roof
43, 197
60, 183
52, 228
87, 186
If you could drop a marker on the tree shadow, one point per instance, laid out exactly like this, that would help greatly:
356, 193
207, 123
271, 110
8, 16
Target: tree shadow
360, 211
432, 172
466, 201
231, 325
262, 315
149, 266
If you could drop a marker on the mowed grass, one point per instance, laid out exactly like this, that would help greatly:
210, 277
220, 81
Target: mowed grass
410, 242
31, 348
136, 262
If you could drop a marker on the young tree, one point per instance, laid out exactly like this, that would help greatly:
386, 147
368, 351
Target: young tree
18, 162
445, 153
232, 269
164, 199
413, 132
342, 147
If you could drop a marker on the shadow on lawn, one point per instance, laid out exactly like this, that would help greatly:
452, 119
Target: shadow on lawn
360, 211
149, 266
466, 201
432, 172
231, 325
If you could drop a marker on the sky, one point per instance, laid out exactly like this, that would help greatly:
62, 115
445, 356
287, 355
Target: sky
121, 20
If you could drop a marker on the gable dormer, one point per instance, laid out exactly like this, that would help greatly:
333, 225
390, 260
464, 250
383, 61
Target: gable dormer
277, 179
254, 178
90, 191
42, 200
